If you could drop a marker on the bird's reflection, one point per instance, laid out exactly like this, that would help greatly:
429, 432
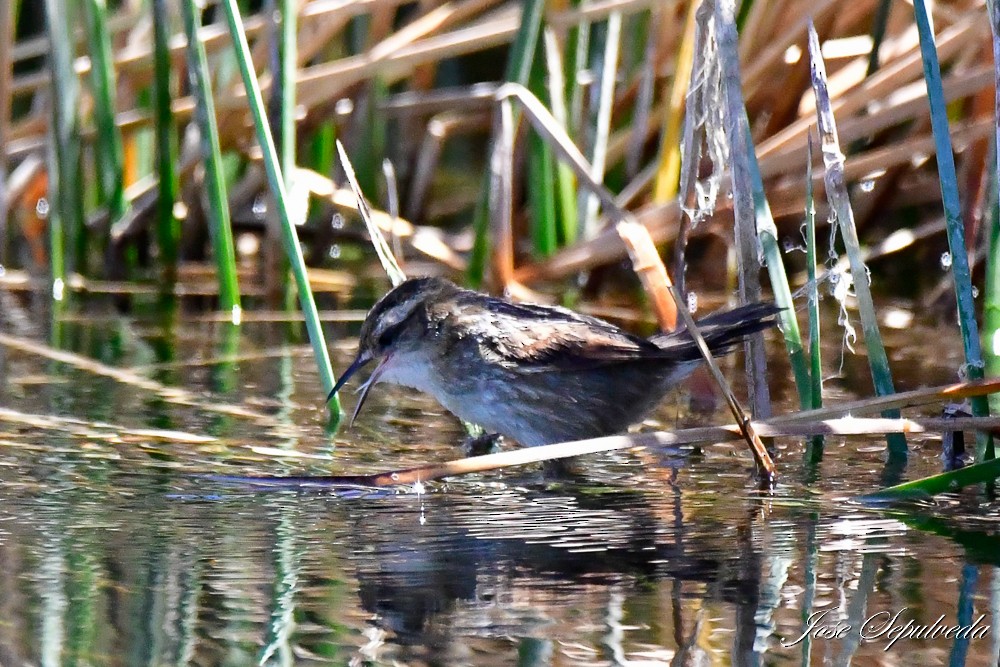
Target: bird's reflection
502, 563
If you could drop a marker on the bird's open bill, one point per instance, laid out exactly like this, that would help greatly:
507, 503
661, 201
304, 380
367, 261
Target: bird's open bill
361, 360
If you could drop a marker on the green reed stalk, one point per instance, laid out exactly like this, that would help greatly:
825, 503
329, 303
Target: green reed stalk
522, 54
108, 149
948, 178
608, 44
541, 196
168, 227
215, 186
815, 353
287, 83
283, 40
286, 561
577, 49
836, 189
814, 448
566, 209
277, 183
541, 185
373, 131
991, 307
767, 233
319, 153
83, 591
879, 24
65, 186
321, 148
743, 13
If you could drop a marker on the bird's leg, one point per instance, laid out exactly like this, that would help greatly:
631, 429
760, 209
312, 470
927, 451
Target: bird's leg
563, 470
480, 445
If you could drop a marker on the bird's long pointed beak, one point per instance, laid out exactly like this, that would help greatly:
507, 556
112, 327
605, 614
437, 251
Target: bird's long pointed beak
359, 361
366, 387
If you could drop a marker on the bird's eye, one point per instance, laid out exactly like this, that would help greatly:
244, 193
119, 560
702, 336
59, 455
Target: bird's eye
386, 337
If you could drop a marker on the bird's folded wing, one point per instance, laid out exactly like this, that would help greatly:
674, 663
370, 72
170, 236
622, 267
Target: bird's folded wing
569, 344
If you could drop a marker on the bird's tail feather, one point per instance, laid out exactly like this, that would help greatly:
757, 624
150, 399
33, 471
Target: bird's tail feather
721, 330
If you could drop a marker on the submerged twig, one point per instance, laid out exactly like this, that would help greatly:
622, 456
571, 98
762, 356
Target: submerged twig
476, 464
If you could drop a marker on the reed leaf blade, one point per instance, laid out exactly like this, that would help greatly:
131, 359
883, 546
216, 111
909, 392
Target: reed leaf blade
948, 178
277, 183
168, 227
215, 186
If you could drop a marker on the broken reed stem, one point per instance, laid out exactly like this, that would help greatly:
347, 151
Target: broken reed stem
502, 194
382, 249
694, 142
392, 207
897, 401
176, 395
669, 168
601, 118
649, 266
815, 353
547, 127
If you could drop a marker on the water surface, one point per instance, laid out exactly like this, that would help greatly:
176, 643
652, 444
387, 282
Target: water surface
118, 547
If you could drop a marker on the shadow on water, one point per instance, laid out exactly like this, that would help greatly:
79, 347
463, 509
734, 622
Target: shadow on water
120, 547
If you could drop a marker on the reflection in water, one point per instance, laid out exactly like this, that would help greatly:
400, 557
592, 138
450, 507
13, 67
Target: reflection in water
492, 575
117, 549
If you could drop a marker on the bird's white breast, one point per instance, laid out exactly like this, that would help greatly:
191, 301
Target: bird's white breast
412, 370
479, 404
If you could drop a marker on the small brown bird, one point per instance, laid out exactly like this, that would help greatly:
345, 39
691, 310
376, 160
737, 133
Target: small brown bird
537, 374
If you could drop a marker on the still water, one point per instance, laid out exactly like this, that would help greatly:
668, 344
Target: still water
119, 547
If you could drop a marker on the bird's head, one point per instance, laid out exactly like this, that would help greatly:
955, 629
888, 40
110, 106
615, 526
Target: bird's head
394, 325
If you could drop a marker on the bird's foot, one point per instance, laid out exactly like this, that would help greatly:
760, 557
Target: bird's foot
481, 445
563, 470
